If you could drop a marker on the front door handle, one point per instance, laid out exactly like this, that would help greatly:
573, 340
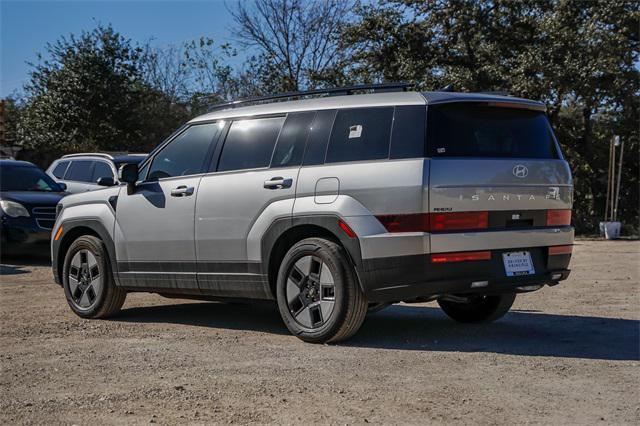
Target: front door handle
278, 183
182, 191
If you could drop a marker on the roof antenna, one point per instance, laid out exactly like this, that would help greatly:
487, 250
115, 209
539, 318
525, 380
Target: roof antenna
447, 88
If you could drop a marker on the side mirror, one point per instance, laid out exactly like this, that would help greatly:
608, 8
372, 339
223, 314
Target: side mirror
106, 181
129, 174
62, 186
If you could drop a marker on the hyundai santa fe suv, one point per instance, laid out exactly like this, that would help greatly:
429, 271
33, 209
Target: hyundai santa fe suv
332, 206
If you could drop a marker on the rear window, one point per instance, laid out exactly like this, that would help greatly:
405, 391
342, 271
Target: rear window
80, 171
60, 168
477, 130
250, 143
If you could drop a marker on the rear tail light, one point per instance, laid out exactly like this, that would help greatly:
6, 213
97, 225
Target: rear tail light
558, 217
405, 222
555, 250
460, 257
459, 221
425, 222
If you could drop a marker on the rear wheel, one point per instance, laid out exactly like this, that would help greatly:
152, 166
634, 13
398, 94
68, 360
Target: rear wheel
88, 281
478, 309
318, 293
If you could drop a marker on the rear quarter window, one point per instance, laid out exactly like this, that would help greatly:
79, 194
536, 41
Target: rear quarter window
360, 134
478, 130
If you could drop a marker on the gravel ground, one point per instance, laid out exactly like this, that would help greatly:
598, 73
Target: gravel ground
568, 354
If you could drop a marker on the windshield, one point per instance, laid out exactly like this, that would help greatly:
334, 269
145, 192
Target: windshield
26, 178
478, 130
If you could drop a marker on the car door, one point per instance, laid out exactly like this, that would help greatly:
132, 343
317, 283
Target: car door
155, 222
252, 185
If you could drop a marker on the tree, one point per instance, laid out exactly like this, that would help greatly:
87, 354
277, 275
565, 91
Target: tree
296, 40
87, 94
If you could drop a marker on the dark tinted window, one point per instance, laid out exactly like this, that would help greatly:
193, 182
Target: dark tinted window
60, 168
476, 130
250, 143
26, 178
408, 134
186, 154
360, 134
319, 137
101, 169
292, 139
80, 171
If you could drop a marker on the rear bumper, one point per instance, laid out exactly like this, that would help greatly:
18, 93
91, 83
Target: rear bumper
393, 279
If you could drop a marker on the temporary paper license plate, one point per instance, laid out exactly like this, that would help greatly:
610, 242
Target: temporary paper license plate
518, 263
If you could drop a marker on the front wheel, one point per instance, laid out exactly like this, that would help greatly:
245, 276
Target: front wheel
478, 309
87, 280
318, 293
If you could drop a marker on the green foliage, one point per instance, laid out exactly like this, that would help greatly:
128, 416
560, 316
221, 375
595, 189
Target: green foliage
86, 94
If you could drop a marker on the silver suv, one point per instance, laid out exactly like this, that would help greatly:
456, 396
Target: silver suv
90, 171
332, 206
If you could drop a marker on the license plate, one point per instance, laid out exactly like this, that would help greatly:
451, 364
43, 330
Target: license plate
518, 263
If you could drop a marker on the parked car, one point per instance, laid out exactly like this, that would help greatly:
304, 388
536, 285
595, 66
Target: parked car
90, 171
332, 206
28, 199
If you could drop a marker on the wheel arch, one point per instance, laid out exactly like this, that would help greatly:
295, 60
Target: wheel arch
285, 232
72, 230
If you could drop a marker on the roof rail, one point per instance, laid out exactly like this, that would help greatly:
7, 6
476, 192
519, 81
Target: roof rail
89, 154
334, 91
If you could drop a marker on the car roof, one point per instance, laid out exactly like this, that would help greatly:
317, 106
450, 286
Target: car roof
132, 158
124, 158
362, 100
18, 163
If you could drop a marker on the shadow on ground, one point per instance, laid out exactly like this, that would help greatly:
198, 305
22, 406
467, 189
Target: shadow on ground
422, 328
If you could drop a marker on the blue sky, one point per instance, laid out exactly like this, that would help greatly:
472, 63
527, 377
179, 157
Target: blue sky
26, 26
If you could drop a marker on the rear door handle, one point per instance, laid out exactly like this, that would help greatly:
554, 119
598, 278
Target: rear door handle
278, 183
182, 191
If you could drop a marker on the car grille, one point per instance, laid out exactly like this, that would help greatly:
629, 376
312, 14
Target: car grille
45, 216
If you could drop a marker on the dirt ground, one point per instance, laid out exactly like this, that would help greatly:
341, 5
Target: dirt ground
568, 354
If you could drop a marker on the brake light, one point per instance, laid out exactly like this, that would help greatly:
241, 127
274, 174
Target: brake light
558, 217
459, 221
460, 257
405, 222
555, 250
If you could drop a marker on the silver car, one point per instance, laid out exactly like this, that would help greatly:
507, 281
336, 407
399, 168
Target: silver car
332, 206
90, 171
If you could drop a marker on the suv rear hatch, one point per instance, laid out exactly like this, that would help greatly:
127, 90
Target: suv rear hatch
495, 166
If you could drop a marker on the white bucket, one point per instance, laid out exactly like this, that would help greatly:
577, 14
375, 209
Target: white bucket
612, 230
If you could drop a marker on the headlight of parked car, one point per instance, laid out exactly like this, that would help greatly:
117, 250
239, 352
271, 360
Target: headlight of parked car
13, 209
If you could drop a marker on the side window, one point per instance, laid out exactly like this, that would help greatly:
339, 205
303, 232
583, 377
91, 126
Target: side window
409, 133
80, 171
186, 154
101, 169
250, 143
292, 139
360, 134
60, 168
319, 137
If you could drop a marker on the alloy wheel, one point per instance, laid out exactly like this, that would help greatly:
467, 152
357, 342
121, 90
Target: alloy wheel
310, 292
85, 279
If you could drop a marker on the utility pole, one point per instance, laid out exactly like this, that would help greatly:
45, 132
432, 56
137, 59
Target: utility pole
617, 197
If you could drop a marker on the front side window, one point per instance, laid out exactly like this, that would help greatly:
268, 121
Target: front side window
250, 143
80, 171
360, 134
60, 168
101, 170
186, 154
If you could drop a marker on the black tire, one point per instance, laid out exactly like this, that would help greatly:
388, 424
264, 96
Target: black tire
349, 306
479, 309
108, 299
377, 307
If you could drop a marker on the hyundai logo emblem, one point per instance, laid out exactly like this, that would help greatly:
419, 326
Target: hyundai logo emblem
520, 171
